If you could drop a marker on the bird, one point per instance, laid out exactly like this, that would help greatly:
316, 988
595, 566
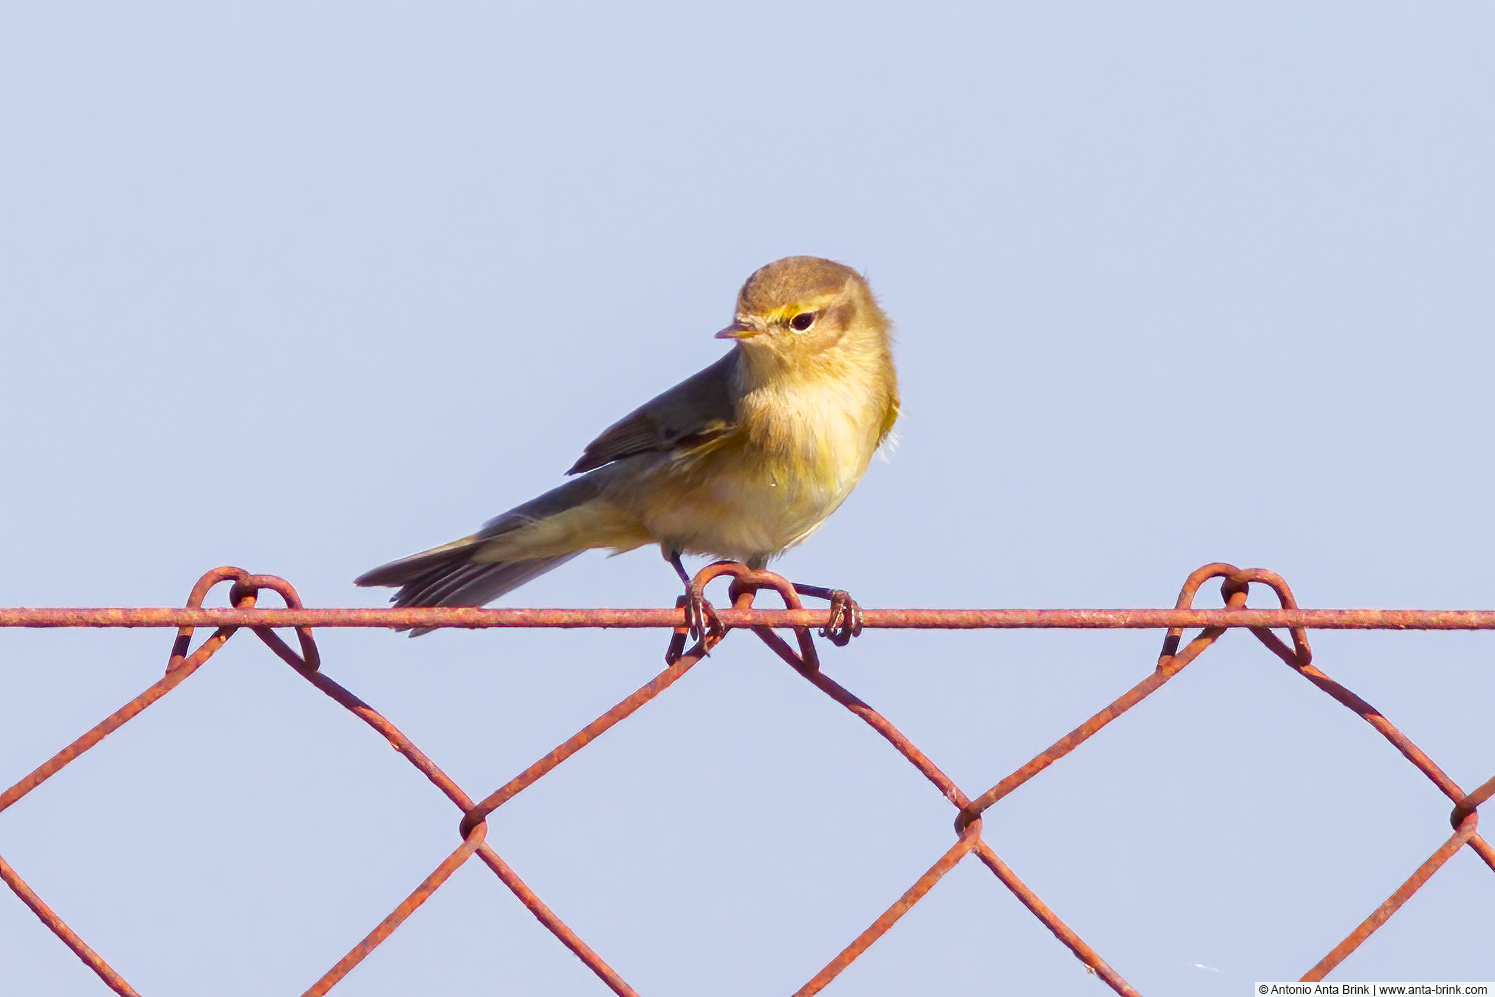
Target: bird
742, 460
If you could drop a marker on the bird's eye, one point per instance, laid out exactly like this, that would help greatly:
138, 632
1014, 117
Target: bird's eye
802, 321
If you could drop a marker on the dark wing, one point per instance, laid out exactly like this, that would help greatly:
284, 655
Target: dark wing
695, 411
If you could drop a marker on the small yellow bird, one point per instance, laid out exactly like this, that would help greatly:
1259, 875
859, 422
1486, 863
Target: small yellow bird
742, 460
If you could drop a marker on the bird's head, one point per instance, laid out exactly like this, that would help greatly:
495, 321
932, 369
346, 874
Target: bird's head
803, 308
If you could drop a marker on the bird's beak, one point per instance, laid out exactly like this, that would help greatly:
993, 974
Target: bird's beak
738, 331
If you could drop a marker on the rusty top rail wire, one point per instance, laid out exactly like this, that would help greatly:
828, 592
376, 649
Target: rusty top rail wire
802, 656
886, 619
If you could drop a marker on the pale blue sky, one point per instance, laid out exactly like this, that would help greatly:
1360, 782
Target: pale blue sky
307, 287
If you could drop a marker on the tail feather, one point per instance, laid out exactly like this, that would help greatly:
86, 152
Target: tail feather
408, 569
449, 576
473, 584
468, 583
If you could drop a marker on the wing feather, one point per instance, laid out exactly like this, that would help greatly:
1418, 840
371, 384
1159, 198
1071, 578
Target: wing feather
694, 412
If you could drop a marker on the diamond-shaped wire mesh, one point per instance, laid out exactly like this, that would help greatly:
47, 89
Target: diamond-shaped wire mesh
803, 658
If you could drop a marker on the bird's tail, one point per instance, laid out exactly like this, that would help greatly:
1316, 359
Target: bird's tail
448, 576
512, 549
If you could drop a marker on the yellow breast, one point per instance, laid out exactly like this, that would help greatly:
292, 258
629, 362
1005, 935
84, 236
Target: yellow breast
799, 448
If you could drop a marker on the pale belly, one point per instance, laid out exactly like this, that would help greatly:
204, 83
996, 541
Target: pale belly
749, 504
742, 516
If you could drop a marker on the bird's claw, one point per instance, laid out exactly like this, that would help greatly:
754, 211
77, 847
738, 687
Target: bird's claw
700, 616
845, 620
701, 622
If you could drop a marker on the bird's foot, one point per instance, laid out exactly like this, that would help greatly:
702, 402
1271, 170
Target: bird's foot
701, 622
700, 616
845, 621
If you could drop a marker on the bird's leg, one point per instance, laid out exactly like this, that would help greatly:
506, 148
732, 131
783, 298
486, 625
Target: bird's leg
700, 616
846, 616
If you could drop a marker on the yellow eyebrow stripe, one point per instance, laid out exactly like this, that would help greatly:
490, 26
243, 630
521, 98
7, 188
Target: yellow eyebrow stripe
787, 312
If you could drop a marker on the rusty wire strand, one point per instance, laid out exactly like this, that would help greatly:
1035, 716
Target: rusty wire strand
784, 619
804, 659
1461, 836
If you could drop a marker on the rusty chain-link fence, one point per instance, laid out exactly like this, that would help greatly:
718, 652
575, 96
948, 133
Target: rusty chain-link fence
802, 657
